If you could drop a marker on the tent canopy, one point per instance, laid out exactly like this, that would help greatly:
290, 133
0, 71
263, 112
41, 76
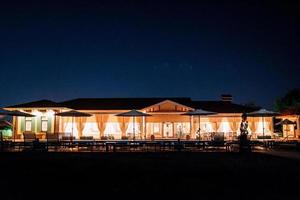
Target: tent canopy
133, 113
199, 112
73, 113
15, 113
262, 113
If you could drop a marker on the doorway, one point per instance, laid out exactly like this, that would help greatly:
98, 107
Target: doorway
168, 130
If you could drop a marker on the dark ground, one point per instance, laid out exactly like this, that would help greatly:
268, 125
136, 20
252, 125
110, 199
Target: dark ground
148, 175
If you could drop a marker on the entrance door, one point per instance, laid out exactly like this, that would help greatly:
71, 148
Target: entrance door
168, 130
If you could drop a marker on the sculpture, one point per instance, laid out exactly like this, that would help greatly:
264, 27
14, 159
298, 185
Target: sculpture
244, 142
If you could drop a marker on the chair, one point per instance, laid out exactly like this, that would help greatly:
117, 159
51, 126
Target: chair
68, 142
86, 142
218, 140
52, 140
29, 140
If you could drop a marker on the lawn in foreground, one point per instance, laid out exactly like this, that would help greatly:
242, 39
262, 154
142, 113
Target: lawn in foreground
147, 175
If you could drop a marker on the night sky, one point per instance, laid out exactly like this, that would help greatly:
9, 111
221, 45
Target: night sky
69, 49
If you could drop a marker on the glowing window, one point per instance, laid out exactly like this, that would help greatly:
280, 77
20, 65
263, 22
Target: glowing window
130, 128
69, 131
44, 123
91, 129
156, 127
182, 128
112, 128
28, 123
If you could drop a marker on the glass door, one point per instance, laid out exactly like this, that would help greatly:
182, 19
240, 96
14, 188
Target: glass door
168, 130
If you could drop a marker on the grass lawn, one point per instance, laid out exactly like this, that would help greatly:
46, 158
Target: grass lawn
147, 175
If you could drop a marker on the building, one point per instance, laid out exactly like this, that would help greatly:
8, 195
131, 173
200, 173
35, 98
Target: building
166, 120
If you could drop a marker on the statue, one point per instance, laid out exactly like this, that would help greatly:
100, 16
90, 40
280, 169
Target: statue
244, 142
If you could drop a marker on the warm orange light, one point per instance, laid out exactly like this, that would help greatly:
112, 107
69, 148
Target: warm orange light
224, 126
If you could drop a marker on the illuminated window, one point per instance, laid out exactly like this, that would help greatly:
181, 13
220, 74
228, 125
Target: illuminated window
71, 129
156, 128
130, 130
91, 129
224, 127
28, 123
262, 128
44, 123
207, 127
112, 129
183, 128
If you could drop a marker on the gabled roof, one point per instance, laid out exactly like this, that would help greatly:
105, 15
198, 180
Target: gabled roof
119, 103
37, 104
136, 103
187, 103
223, 107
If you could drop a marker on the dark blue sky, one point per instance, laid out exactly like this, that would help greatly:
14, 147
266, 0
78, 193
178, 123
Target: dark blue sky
68, 49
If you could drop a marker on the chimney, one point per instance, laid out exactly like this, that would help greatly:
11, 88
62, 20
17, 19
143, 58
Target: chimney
226, 98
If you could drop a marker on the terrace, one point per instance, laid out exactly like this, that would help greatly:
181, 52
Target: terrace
88, 144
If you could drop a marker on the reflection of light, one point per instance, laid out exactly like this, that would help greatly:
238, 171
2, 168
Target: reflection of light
224, 126
91, 129
68, 129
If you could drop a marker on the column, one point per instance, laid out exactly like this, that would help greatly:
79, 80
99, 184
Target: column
272, 126
15, 128
192, 128
162, 130
298, 127
123, 128
144, 128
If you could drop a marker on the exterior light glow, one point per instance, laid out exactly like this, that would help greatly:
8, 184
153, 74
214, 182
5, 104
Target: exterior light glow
37, 113
50, 113
259, 127
224, 126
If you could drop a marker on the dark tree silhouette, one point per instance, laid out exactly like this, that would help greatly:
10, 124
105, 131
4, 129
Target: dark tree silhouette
290, 101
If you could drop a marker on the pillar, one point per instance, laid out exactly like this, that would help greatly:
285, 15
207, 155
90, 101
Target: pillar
298, 127
144, 128
192, 128
272, 126
123, 128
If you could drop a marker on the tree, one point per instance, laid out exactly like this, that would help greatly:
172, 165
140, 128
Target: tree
290, 100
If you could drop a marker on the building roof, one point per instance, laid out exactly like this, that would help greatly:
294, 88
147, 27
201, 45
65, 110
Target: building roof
223, 107
119, 103
37, 104
137, 103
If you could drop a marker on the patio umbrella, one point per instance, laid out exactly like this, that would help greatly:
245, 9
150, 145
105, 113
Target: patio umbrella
199, 113
286, 122
263, 113
133, 113
15, 113
73, 114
